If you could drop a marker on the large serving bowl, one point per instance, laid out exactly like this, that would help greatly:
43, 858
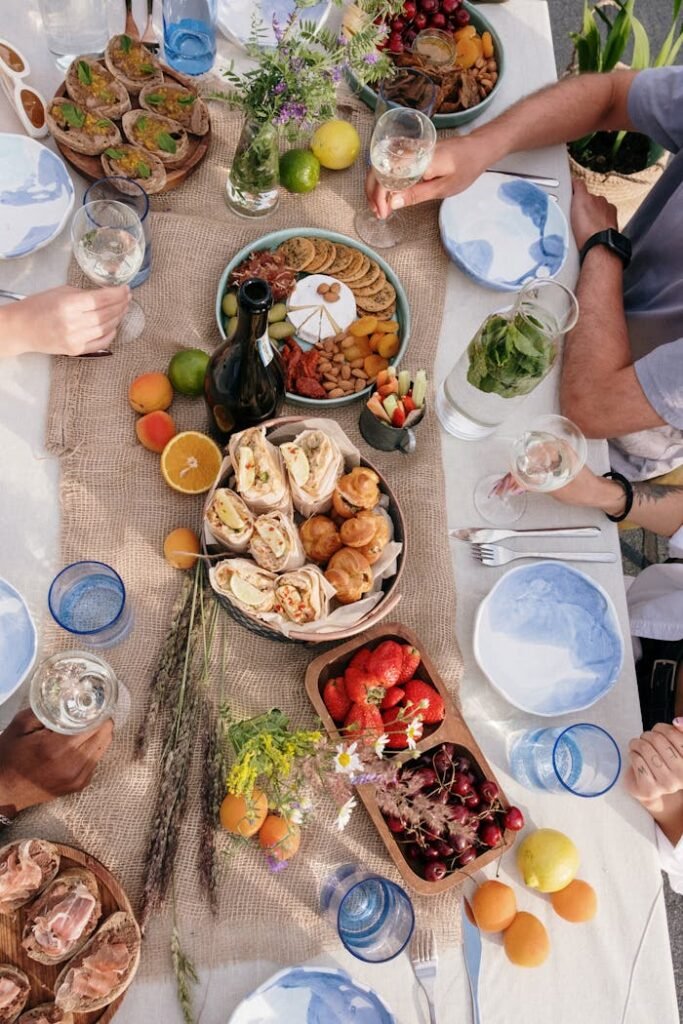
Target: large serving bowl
276, 238
482, 24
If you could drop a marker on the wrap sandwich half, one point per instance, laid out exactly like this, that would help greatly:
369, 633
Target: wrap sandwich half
314, 464
302, 596
229, 520
259, 475
275, 544
245, 585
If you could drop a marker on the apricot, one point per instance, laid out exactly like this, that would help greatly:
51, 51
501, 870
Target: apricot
526, 941
467, 52
150, 392
280, 837
180, 548
242, 816
364, 327
577, 902
388, 346
494, 906
486, 45
155, 430
387, 327
468, 32
373, 364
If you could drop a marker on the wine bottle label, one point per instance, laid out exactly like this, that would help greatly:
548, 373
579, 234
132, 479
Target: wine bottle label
265, 349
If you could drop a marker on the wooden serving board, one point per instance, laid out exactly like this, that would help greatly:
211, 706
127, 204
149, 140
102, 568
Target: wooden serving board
43, 976
91, 166
452, 729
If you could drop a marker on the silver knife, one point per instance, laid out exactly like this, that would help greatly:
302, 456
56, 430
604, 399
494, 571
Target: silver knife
477, 536
471, 939
535, 179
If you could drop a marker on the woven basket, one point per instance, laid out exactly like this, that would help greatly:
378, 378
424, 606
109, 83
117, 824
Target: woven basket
625, 191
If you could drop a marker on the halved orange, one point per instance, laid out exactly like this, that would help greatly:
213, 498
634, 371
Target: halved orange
190, 462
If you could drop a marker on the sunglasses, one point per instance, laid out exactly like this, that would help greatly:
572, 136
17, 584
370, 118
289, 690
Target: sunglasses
27, 101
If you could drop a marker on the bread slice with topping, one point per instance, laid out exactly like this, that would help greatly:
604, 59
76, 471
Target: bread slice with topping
46, 1013
94, 88
132, 63
26, 867
180, 104
103, 969
63, 917
84, 131
126, 161
14, 993
164, 138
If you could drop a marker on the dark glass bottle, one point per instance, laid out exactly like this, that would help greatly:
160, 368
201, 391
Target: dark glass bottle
245, 381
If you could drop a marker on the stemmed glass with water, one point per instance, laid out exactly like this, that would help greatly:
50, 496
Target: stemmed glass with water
400, 152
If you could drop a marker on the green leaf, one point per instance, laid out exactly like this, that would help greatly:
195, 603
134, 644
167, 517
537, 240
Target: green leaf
143, 171
186, 101
155, 98
84, 73
103, 123
165, 142
141, 122
147, 69
114, 154
73, 115
126, 43
641, 46
618, 38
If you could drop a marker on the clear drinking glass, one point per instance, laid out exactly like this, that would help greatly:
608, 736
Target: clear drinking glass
74, 27
408, 84
122, 190
544, 458
109, 244
373, 916
88, 599
400, 152
190, 35
582, 759
73, 691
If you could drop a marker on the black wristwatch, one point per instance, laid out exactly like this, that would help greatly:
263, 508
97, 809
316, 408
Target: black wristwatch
615, 242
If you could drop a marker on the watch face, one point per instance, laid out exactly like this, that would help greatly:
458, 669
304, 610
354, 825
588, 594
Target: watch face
620, 243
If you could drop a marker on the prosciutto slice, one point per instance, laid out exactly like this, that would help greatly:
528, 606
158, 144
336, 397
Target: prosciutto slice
20, 875
57, 930
102, 971
9, 990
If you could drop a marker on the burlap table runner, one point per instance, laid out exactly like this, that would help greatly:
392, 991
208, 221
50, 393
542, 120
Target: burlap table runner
116, 507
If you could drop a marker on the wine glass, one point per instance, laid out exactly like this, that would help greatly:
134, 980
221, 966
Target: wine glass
109, 244
544, 458
400, 152
73, 691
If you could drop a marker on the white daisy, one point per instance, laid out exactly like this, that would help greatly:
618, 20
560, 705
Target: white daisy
380, 743
414, 732
344, 814
346, 760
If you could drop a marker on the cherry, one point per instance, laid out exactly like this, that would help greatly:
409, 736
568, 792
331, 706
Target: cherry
409, 38
443, 761
490, 834
472, 802
462, 765
397, 25
431, 852
448, 748
395, 43
488, 819
470, 777
460, 843
488, 791
429, 6
462, 17
420, 21
395, 825
442, 797
410, 9
438, 20
444, 849
466, 856
414, 851
513, 819
428, 777
449, 6
460, 785
459, 814
435, 871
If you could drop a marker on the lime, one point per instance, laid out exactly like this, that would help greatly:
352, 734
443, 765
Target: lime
187, 369
336, 144
299, 170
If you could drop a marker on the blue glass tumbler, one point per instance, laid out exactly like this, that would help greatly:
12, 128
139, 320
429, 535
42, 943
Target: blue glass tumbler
88, 599
190, 35
582, 759
373, 916
133, 195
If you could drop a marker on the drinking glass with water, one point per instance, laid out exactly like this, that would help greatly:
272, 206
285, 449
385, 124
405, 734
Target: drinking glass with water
88, 599
373, 916
582, 759
74, 27
190, 35
73, 691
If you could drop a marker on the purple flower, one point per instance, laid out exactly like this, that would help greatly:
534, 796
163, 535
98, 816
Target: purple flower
342, 41
280, 88
277, 30
371, 58
336, 74
276, 865
291, 111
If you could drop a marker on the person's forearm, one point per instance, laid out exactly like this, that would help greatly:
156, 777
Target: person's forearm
13, 341
668, 813
656, 507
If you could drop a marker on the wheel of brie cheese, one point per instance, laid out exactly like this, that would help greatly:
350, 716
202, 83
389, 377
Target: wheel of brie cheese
313, 315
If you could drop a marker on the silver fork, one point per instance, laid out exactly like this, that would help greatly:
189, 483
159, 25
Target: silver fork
491, 554
424, 959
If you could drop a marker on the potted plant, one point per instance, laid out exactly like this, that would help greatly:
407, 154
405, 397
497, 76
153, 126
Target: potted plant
621, 166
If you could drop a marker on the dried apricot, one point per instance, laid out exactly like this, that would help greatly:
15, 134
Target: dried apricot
487, 45
468, 32
467, 52
373, 364
364, 327
388, 346
387, 327
359, 350
375, 340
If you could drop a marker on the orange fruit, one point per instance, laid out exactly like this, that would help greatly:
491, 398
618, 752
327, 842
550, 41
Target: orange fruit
280, 837
149, 392
155, 430
190, 462
526, 941
494, 906
242, 816
576, 902
180, 547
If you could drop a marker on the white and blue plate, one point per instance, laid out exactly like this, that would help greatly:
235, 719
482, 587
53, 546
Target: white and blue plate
504, 231
18, 642
36, 196
548, 638
312, 995
236, 18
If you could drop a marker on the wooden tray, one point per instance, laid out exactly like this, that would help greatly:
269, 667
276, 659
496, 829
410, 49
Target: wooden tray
452, 729
43, 976
91, 166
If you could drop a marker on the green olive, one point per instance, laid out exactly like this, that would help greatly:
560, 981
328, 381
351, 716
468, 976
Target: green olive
278, 332
231, 326
277, 313
229, 304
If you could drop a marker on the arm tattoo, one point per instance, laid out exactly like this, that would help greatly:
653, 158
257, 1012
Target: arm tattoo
648, 492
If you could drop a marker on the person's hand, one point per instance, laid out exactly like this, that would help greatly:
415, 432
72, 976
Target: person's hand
63, 321
655, 764
456, 163
590, 491
38, 765
590, 214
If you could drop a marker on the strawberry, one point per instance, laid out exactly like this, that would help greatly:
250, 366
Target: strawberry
336, 699
362, 687
361, 658
411, 660
398, 416
408, 404
364, 719
395, 726
416, 692
393, 696
386, 662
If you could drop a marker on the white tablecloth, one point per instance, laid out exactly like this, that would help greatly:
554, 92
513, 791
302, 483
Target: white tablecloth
588, 975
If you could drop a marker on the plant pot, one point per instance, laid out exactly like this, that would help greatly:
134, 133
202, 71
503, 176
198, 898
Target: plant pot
625, 191
253, 186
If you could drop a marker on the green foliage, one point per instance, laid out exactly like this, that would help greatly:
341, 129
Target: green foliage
510, 357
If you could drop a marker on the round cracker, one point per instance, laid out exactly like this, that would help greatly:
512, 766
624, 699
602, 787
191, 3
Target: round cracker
343, 259
373, 274
298, 252
353, 266
325, 269
386, 314
370, 289
384, 298
361, 272
323, 249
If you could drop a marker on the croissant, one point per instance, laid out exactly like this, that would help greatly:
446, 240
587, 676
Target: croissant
356, 490
320, 538
350, 574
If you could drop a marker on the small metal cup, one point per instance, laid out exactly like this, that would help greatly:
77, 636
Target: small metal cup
386, 438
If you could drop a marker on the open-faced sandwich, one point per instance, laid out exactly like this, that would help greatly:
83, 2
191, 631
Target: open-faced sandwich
46, 1013
126, 161
26, 867
94, 88
180, 104
159, 135
63, 918
103, 969
85, 132
14, 993
132, 63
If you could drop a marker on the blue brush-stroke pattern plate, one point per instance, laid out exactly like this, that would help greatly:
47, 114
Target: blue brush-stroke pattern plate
36, 196
235, 17
312, 995
504, 231
548, 638
18, 643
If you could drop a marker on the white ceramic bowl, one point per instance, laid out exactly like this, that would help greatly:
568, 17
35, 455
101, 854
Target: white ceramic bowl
36, 196
18, 641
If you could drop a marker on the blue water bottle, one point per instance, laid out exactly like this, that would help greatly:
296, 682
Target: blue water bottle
190, 35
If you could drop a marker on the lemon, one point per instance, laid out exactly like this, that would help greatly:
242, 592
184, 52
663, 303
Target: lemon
187, 369
299, 170
547, 860
245, 592
336, 144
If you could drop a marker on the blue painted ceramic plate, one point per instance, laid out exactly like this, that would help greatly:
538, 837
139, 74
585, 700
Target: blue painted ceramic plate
36, 196
504, 231
312, 995
18, 643
548, 638
235, 18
